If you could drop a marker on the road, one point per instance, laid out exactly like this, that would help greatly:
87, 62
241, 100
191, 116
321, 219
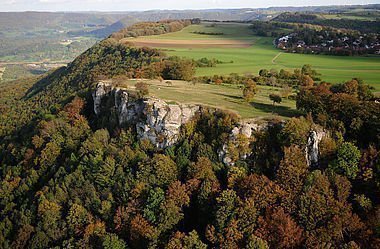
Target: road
276, 57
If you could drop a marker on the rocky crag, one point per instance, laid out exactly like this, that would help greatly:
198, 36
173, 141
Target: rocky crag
154, 119
160, 122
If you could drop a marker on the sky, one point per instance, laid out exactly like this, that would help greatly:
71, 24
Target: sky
129, 5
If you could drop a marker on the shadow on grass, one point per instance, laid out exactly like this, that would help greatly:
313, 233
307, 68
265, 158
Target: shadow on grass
284, 111
229, 96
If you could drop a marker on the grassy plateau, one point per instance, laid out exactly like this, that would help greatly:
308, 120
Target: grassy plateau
226, 97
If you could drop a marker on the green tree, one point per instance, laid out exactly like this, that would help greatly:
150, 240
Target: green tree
347, 161
111, 241
155, 198
275, 98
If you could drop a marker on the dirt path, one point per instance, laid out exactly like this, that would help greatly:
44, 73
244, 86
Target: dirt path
276, 57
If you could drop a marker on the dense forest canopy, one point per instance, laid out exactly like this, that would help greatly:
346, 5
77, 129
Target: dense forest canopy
360, 25
70, 179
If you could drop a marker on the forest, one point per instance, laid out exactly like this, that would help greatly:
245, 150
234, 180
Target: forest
299, 17
71, 179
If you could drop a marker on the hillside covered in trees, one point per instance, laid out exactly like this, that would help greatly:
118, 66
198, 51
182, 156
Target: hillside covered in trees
73, 179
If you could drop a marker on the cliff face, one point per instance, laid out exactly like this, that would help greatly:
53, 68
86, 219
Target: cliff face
312, 147
160, 123
244, 130
154, 119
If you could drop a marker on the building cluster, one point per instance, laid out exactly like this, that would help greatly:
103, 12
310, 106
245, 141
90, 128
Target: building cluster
326, 43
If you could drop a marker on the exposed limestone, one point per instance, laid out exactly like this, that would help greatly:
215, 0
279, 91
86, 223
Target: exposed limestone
247, 129
103, 88
154, 119
160, 122
312, 147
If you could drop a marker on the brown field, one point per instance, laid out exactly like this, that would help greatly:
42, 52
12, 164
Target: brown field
195, 43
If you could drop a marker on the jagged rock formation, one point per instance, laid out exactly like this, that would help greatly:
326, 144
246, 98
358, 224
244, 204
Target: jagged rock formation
154, 119
312, 147
160, 122
102, 89
246, 129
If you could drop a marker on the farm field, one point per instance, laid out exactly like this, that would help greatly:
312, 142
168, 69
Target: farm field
260, 54
226, 97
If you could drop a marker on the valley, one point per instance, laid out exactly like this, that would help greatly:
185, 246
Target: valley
185, 133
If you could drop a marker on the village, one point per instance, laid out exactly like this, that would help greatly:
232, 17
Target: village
329, 42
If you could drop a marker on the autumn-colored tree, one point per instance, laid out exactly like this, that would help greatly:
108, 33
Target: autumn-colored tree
286, 91
23, 235
142, 232
218, 81
249, 91
327, 197
296, 131
142, 89
306, 81
263, 191
202, 170
74, 108
189, 241
78, 218
291, 175
279, 229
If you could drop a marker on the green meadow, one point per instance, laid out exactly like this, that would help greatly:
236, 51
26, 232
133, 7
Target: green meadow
262, 54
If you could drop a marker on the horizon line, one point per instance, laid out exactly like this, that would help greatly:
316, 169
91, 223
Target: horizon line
195, 9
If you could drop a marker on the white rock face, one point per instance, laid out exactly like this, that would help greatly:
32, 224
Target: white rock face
154, 119
160, 122
312, 147
246, 129
103, 89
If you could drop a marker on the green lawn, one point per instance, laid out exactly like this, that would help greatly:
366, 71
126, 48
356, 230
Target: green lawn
260, 55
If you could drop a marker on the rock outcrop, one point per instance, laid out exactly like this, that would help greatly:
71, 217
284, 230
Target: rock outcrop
160, 122
245, 129
102, 89
312, 147
154, 119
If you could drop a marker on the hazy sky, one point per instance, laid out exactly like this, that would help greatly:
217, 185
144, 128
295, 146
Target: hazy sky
126, 5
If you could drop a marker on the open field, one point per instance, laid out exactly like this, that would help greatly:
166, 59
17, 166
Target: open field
226, 97
261, 54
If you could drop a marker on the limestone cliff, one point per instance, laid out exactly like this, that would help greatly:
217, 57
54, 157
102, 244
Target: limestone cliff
312, 147
154, 119
160, 122
243, 130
